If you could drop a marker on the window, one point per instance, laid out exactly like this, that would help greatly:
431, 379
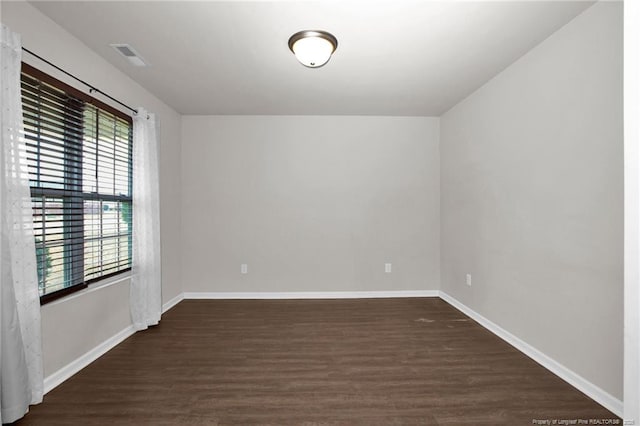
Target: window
79, 154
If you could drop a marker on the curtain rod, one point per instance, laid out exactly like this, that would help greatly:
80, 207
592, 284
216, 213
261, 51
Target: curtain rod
93, 89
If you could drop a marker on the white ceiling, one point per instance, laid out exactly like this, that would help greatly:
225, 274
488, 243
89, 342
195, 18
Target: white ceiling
393, 57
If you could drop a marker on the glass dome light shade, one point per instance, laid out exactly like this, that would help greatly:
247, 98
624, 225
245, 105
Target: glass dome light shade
313, 48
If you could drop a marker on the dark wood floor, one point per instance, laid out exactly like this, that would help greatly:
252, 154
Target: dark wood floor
314, 362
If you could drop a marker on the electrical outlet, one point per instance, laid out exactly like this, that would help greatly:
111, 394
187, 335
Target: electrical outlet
244, 268
387, 268
469, 280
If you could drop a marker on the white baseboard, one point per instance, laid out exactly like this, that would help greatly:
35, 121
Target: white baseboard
173, 302
312, 294
594, 392
78, 364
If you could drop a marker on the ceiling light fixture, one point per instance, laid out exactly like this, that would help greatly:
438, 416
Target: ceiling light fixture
313, 48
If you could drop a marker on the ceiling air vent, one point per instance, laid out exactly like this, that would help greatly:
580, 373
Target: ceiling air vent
130, 53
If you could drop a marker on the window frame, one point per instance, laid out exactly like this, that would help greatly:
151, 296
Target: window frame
79, 195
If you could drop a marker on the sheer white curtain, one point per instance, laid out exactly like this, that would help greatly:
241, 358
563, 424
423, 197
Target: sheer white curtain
146, 276
21, 377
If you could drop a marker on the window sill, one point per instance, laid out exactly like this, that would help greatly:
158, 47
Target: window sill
99, 285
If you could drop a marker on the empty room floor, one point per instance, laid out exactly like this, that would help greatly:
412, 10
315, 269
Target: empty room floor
307, 362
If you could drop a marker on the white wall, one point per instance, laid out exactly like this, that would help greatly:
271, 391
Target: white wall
532, 198
310, 203
632, 211
73, 327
